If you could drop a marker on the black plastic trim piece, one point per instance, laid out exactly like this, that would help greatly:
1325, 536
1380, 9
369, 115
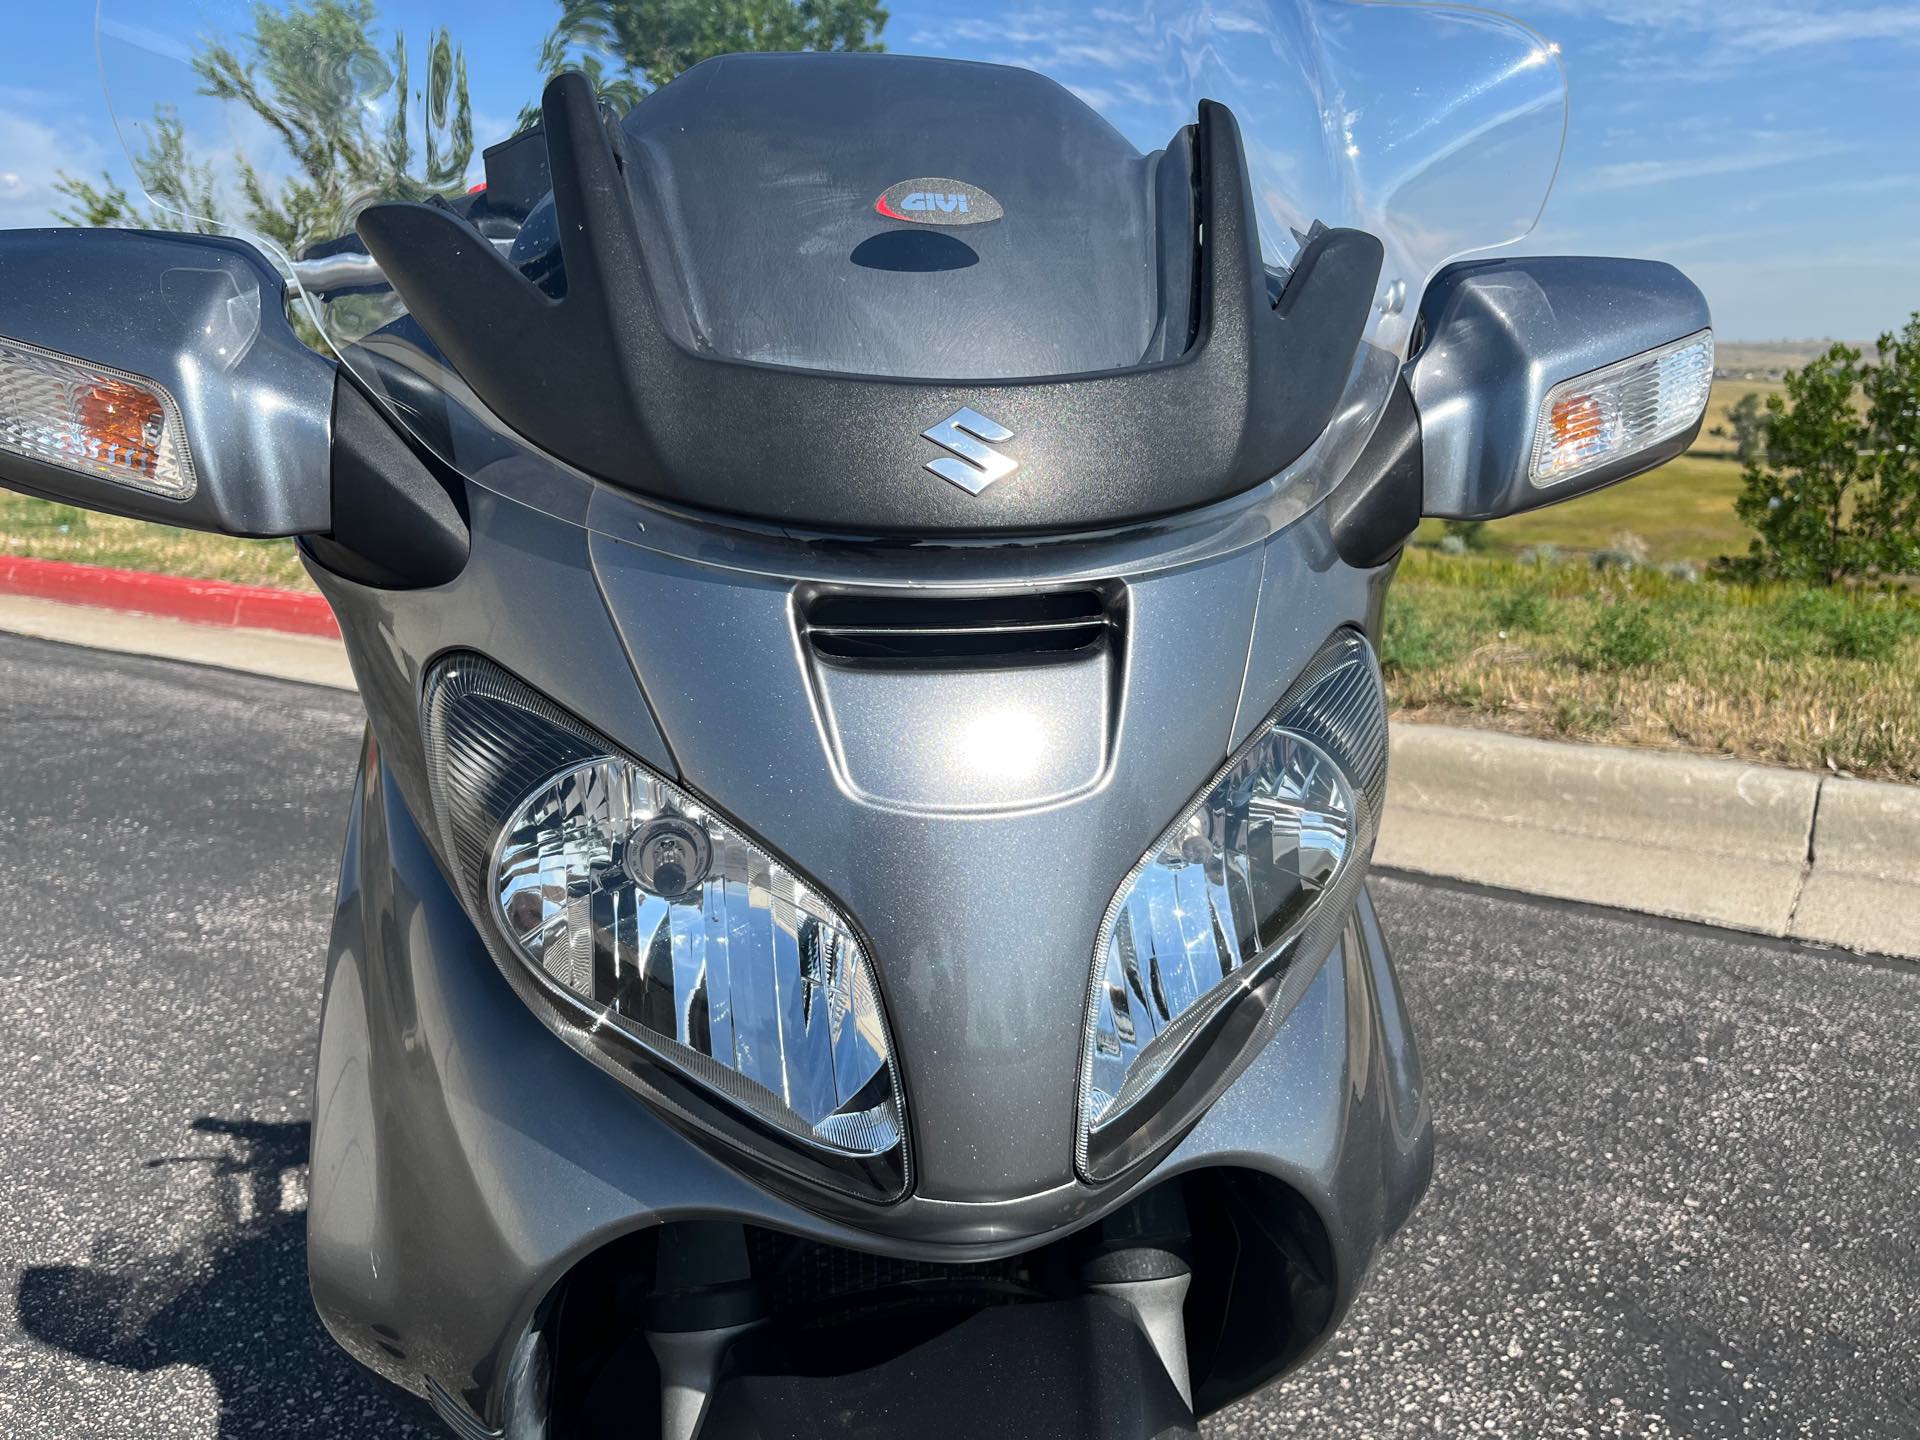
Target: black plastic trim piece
907, 629
397, 523
595, 378
1374, 511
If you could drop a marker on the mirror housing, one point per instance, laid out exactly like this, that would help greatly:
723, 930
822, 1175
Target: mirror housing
93, 319
1500, 342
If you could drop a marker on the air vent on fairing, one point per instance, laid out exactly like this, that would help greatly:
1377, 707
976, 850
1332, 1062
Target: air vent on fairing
911, 629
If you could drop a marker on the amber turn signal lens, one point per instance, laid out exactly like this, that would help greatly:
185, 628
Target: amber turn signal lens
61, 410
122, 424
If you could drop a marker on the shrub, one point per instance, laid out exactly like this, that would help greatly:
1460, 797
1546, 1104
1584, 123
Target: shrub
1472, 534
1612, 559
1832, 483
1526, 607
1826, 622
1633, 547
1624, 636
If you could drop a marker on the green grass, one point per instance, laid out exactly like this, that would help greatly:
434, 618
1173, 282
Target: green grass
1815, 679
1682, 511
61, 532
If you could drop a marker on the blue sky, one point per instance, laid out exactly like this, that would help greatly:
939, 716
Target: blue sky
1772, 151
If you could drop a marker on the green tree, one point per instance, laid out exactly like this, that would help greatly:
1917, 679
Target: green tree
1890, 506
1746, 427
337, 155
1832, 488
629, 47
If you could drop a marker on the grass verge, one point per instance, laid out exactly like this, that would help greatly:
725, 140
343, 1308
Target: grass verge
61, 532
1814, 679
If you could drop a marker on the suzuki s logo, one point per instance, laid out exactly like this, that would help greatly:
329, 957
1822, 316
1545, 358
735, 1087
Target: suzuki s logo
936, 200
979, 465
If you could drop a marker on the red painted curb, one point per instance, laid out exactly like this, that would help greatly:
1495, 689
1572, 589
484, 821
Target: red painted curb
204, 602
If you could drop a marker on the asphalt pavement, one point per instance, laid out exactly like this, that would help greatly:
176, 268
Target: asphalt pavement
1675, 1192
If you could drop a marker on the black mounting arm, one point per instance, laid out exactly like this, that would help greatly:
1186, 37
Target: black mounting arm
596, 380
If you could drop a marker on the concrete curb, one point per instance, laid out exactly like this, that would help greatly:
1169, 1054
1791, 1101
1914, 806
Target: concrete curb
172, 597
1863, 889
310, 659
1780, 852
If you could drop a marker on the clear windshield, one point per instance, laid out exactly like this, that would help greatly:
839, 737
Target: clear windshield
1437, 128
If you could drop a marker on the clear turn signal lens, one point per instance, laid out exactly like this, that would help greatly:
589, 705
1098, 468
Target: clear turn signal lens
66, 412
1622, 410
658, 939
1218, 930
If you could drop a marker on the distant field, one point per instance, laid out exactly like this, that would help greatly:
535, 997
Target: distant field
1773, 356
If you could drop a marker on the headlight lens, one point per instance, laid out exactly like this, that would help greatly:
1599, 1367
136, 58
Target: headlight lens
1221, 925
657, 938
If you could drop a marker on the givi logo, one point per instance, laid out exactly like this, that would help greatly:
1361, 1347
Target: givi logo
936, 200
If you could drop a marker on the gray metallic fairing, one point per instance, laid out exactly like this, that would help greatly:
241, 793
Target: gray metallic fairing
206, 318
464, 1158
981, 910
1499, 334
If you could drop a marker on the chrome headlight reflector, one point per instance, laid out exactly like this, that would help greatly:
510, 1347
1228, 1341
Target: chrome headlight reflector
661, 941
1218, 930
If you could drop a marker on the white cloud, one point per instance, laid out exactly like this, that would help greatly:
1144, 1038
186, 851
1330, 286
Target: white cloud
33, 153
1748, 27
1628, 174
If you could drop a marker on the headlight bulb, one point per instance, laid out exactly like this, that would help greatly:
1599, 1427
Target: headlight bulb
668, 856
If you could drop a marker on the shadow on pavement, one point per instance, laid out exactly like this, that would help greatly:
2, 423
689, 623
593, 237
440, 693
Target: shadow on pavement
232, 1302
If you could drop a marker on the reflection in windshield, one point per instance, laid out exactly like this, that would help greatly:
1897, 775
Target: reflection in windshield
1436, 128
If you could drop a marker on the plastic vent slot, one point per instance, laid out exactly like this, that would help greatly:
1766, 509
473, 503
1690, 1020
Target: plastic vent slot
913, 629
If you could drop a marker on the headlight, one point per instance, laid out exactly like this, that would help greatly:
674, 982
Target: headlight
1218, 930
661, 941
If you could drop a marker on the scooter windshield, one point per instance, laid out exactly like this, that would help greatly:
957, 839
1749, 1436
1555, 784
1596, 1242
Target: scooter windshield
1436, 128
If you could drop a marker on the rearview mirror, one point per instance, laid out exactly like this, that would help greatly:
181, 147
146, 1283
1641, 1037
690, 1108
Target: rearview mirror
157, 375
1540, 379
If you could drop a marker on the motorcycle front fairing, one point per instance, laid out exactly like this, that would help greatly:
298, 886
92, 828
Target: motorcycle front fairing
466, 1162
952, 582
973, 792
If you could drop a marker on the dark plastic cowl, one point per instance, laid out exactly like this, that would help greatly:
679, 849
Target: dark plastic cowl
739, 328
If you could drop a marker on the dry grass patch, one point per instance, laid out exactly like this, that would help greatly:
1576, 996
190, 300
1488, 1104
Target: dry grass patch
1783, 676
